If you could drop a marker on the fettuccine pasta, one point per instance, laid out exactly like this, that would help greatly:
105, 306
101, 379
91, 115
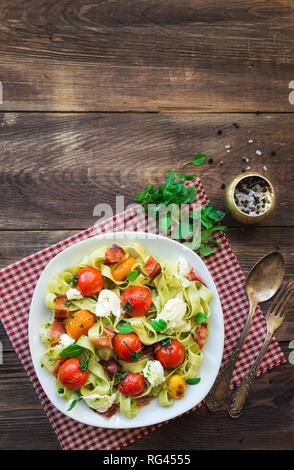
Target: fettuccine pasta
125, 328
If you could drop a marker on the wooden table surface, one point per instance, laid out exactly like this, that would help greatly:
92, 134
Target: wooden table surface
101, 98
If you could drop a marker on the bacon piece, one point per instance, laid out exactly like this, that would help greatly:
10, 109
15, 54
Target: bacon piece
152, 268
194, 277
60, 361
111, 367
55, 331
104, 341
114, 254
61, 311
110, 412
143, 401
201, 335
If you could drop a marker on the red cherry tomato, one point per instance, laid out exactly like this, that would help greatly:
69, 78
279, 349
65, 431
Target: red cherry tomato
136, 301
70, 374
126, 346
132, 385
170, 356
90, 281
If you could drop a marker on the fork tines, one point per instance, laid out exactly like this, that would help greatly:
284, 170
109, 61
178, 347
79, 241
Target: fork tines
282, 300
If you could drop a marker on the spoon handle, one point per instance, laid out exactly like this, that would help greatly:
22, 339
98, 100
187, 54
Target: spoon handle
219, 391
239, 397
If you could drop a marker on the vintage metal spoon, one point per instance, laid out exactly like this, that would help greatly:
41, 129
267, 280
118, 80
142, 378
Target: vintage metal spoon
262, 283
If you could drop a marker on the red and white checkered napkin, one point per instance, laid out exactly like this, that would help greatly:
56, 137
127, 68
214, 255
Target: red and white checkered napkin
18, 281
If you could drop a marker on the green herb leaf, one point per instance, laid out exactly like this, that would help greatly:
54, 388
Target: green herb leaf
125, 328
132, 275
73, 350
158, 325
206, 250
128, 307
166, 342
83, 365
201, 317
74, 402
193, 381
73, 280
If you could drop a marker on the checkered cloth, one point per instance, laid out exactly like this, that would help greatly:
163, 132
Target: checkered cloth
18, 281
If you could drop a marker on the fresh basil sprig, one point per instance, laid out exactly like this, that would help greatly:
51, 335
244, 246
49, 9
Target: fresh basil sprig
164, 204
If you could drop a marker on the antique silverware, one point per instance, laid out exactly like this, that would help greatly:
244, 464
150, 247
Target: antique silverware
262, 283
274, 319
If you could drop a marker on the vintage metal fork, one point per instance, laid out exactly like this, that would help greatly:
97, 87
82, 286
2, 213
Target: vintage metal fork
274, 319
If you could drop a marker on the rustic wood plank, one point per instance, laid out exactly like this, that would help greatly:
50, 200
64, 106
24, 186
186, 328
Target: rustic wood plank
145, 56
24, 424
55, 168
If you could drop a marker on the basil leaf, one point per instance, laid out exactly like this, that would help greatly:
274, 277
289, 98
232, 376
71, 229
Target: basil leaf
132, 275
201, 317
158, 325
125, 328
74, 402
193, 381
199, 159
73, 350
206, 250
73, 280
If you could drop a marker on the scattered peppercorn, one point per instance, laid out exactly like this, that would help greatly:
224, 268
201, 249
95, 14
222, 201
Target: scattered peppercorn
236, 125
257, 112
223, 186
278, 247
273, 153
243, 171
219, 132
210, 161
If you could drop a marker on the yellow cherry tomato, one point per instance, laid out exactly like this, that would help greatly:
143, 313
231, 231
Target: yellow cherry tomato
176, 386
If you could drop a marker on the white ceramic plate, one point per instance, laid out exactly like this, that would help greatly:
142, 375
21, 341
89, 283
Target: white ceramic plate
157, 246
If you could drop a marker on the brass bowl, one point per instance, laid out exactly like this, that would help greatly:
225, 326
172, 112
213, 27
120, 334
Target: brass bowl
235, 211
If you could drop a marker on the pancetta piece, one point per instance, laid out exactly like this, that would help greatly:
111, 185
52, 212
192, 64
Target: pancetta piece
55, 331
104, 341
115, 254
110, 412
60, 361
201, 335
194, 277
152, 268
61, 311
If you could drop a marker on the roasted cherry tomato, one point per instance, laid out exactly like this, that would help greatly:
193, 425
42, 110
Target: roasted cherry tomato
176, 386
120, 272
90, 281
170, 355
126, 346
136, 301
71, 375
79, 323
132, 385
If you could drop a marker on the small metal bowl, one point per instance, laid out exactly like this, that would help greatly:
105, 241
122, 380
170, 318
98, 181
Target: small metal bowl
233, 208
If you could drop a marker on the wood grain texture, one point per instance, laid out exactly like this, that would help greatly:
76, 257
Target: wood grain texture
55, 168
145, 55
